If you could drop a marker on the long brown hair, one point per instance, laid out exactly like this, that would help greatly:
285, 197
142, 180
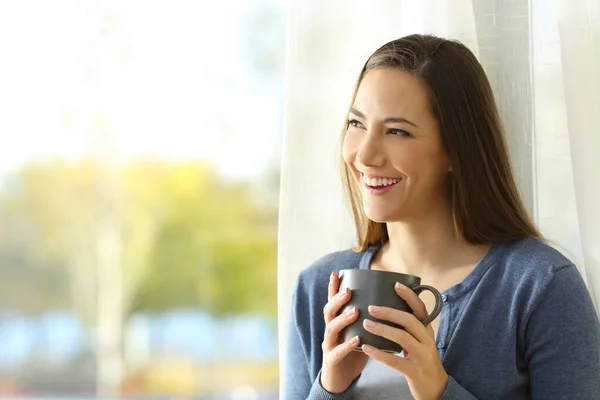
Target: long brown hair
486, 205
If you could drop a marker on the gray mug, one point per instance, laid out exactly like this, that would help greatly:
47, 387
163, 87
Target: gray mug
372, 287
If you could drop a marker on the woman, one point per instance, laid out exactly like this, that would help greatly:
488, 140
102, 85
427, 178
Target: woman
432, 192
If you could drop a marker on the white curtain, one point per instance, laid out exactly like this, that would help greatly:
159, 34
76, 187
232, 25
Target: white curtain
543, 60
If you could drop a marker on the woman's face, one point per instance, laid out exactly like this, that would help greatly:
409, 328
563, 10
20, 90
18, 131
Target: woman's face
394, 149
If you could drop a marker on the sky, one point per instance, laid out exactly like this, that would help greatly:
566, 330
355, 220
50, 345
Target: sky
130, 79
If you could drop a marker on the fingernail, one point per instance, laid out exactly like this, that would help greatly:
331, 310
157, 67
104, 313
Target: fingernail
400, 286
367, 349
331, 276
350, 312
368, 323
374, 309
354, 340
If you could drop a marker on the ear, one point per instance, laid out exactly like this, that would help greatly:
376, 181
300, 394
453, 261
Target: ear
448, 162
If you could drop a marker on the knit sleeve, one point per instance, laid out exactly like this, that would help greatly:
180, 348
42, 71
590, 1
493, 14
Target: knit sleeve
456, 392
562, 341
297, 382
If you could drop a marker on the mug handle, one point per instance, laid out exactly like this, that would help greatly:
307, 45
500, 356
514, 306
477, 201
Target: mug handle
438, 301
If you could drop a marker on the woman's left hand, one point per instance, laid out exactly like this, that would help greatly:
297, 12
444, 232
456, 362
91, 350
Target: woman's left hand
421, 364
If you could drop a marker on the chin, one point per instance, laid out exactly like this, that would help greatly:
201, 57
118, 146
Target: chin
381, 217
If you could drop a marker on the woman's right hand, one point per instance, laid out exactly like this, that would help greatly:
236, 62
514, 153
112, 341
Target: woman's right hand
341, 364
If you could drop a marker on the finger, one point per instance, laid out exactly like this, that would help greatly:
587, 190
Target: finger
333, 328
407, 320
391, 360
332, 308
340, 352
333, 285
396, 335
413, 301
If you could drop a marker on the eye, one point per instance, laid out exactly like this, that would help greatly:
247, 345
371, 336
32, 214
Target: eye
399, 132
355, 123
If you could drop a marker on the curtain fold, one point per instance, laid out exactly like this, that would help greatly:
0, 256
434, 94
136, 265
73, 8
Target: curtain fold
579, 35
543, 60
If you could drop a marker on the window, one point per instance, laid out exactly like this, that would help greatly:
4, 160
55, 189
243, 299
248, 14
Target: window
138, 198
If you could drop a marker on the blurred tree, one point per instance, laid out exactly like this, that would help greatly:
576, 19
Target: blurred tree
189, 239
55, 204
214, 244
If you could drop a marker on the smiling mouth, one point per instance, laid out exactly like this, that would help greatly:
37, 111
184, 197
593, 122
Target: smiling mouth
379, 182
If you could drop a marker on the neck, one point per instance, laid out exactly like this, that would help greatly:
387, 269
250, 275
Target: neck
428, 244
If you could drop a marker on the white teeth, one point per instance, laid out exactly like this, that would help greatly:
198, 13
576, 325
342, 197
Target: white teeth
380, 181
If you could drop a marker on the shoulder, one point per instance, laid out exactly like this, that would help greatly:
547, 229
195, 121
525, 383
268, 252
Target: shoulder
554, 302
530, 259
534, 252
314, 279
532, 270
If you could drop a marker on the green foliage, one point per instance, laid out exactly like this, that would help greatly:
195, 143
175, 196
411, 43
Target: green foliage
188, 239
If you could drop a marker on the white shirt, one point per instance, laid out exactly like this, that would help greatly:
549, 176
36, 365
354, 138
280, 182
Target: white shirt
380, 382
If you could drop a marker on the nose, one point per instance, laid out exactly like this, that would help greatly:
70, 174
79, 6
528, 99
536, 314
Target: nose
370, 152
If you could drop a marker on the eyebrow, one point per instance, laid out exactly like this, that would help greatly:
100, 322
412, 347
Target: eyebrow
397, 120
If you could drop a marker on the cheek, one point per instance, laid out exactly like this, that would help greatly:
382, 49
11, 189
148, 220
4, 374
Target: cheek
414, 158
405, 157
